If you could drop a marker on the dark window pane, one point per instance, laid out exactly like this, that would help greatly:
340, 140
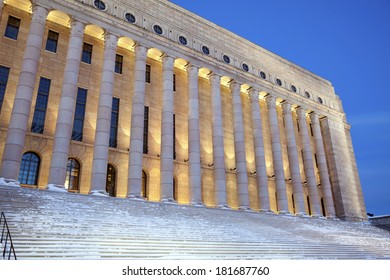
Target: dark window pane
147, 74
114, 123
78, 122
146, 129
4, 72
12, 29
118, 64
72, 175
29, 169
52, 41
38, 122
87, 53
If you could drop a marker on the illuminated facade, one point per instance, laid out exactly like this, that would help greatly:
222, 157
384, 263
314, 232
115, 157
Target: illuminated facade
145, 99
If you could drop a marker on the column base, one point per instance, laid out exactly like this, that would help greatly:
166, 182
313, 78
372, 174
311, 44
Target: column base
266, 211
332, 217
99, 193
245, 209
137, 197
283, 212
9, 182
302, 214
168, 201
197, 204
56, 188
223, 207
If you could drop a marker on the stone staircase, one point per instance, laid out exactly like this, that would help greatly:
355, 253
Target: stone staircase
58, 225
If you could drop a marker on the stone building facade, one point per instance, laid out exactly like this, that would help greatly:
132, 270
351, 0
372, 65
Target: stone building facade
145, 99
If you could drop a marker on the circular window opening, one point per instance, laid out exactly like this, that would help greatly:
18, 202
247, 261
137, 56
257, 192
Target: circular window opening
183, 40
205, 50
157, 29
307, 94
245, 67
226, 58
293, 88
279, 82
130, 18
263, 75
99, 5
320, 100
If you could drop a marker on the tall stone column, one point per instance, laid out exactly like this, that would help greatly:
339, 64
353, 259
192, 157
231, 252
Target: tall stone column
239, 147
195, 175
258, 140
309, 164
293, 160
218, 143
67, 106
137, 123
322, 166
103, 123
16, 136
277, 155
166, 153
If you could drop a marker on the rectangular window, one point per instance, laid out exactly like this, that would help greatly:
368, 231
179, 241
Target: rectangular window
78, 121
146, 129
114, 123
12, 29
174, 82
38, 122
174, 136
147, 73
118, 64
311, 130
4, 73
52, 41
87, 53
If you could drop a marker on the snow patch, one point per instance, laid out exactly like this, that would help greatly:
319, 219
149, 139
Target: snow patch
9, 182
56, 188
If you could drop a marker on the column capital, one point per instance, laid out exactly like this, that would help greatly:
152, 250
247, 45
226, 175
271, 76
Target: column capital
214, 78
77, 27
271, 101
39, 13
235, 87
110, 40
314, 118
301, 112
254, 95
141, 51
168, 61
192, 69
286, 106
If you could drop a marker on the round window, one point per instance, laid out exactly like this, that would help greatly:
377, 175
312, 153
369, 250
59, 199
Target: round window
245, 67
157, 29
263, 75
293, 88
183, 40
320, 100
279, 82
307, 94
205, 50
226, 58
99, 5
130, 18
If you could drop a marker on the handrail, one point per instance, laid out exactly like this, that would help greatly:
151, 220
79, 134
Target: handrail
11, 248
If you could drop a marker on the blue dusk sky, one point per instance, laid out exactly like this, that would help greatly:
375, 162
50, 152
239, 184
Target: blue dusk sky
344, 41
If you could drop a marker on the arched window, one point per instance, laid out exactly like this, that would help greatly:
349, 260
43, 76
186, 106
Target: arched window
29, 169
111, 180
72, 175
175, 192
144, 190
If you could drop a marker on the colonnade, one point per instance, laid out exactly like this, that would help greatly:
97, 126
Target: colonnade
16, 136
